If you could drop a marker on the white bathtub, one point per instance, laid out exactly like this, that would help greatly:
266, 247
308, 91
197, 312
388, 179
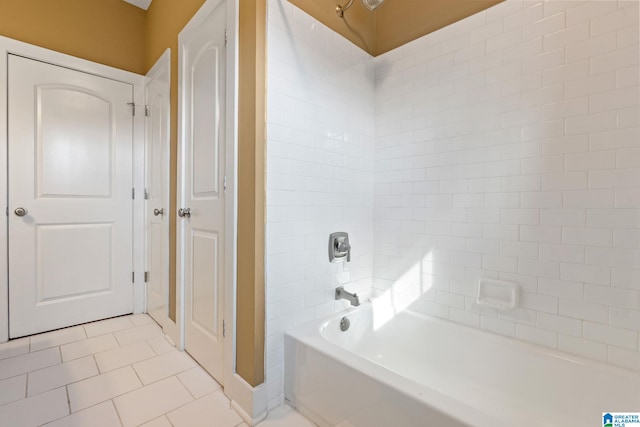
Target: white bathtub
420, 371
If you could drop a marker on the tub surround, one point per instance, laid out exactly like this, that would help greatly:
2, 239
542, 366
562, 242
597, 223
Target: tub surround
506, 147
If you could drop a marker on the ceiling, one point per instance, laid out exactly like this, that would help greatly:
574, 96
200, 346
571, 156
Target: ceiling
142, 4
394, 23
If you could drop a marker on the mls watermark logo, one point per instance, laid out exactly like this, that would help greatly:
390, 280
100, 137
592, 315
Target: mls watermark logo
621, 419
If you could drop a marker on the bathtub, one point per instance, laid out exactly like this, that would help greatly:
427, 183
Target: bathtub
420, 371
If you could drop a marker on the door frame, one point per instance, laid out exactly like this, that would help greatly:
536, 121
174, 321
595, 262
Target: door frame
162, 65
10, 46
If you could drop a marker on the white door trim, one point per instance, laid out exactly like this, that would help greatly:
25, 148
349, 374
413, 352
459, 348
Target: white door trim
56, 58
251, 402
163, 64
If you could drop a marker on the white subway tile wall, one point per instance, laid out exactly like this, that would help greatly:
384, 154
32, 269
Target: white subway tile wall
534, 115
320, 148
504, 146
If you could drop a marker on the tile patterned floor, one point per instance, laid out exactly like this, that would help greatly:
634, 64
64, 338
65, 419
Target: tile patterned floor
119, 372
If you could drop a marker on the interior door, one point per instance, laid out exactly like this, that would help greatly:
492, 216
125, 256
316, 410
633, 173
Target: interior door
70, 205
203, 193
157, 186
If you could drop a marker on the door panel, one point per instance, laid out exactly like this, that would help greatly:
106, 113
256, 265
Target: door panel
202, 191
74, 163
205, 291
94, 258
206, 120
70, 168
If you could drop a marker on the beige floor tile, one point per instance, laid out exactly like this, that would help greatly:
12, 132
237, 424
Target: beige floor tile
122, 356
151, 401
138, 333
56, 338
107, 326
29, 362
102, 415
285, 416
36, 410
158, 422
89, 346
13, 389
163, 366
14, 348
94, 390
117, 397
160, 345
198, 382
141, 319
201, 412
60, 375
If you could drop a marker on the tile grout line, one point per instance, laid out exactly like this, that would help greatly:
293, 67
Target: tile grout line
113, 403
66, 389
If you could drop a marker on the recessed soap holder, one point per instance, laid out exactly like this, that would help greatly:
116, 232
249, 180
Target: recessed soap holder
497, 294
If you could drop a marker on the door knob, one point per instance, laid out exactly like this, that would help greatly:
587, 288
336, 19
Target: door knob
21, 211
184, 213
157, 212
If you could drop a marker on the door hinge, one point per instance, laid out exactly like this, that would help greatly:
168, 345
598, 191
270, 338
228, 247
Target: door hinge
224, 329
133, 193
133, 107
226, 38
133, 277
224, 183
146, 277
147, 111
146, 194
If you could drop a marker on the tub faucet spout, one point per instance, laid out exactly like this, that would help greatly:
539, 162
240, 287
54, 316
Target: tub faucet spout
341, 293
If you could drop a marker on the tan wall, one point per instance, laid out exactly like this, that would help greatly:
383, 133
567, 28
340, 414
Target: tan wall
398, 22
109, 32
251, 191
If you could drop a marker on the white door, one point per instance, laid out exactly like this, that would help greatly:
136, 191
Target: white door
70, 208
157, 187
201, 232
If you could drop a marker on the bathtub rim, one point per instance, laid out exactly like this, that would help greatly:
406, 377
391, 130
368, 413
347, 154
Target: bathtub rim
302, 333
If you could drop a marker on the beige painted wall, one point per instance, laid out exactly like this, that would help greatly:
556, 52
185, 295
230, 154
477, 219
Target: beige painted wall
398, 22
109, 32
252, 109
